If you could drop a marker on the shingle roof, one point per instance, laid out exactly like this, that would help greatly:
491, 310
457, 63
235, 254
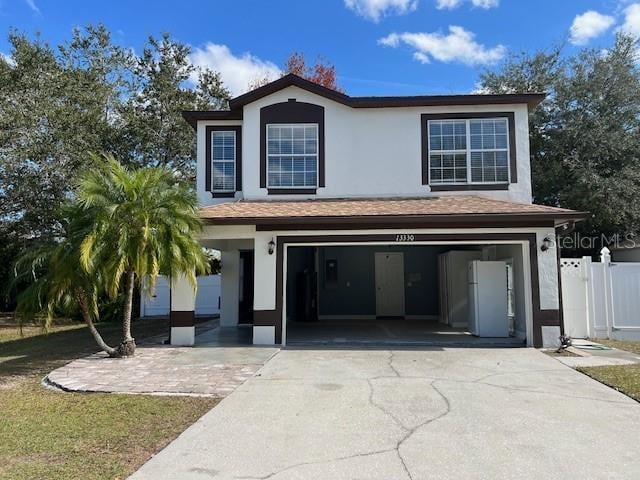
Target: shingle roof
235, 104
445, 207
532, 99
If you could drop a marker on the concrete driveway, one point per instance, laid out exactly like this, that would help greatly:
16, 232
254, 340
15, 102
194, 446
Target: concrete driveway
412, 414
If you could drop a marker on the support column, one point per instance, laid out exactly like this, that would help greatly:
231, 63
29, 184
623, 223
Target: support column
548, 327
229, 288
267, 326
182, 315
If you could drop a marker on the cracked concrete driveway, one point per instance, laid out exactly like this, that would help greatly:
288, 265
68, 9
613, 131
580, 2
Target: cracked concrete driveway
410, 414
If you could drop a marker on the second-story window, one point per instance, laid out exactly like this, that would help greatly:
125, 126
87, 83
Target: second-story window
292, 155
223, 160
473, 151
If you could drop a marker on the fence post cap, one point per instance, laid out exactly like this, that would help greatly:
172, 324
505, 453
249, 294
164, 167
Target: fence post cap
605, 251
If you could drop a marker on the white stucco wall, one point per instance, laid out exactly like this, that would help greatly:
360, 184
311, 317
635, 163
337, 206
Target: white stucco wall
204, 197
264, 280
368, 151
183, 295
548, 272
183, 299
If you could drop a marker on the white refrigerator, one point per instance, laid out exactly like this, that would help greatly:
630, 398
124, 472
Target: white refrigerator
488, 312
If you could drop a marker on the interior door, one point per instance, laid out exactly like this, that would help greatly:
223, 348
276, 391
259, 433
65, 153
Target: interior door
389, 284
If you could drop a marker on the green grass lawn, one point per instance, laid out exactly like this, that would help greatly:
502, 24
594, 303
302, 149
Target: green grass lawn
46, 434
624, 378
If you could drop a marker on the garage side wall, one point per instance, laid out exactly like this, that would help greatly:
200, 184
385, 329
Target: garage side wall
514, 253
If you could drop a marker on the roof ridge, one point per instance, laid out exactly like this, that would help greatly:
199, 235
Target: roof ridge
530, 98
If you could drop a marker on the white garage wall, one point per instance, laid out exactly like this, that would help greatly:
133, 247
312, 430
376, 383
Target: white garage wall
207, 298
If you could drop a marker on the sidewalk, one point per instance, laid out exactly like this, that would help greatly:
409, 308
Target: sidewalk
593, 354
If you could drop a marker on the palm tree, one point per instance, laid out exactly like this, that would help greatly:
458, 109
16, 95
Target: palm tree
145, 223
55, 281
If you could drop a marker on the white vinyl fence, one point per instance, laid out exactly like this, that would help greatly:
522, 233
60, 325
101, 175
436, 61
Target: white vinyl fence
207, 298
601, 299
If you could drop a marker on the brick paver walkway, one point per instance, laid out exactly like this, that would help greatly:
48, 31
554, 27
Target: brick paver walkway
212, 371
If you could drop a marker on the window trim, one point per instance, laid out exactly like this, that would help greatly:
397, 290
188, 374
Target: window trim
468, 151
288, 112
294, 188
213, 161
209, 129
511, 151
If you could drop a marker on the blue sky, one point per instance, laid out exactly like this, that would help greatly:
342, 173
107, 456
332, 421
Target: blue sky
379, 47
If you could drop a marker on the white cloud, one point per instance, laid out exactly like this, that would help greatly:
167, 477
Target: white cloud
589, 25
631, 25
8, 59
374, 10
479, 89
457, 46
453, 4
485, 3
32, 5
448, 4
236, 71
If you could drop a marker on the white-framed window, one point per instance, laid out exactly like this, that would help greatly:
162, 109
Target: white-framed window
472, 151
292, 155
223, 161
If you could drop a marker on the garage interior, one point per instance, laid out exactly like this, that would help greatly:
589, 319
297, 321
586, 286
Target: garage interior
448, 295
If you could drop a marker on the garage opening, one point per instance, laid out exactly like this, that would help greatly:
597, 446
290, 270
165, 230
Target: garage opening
467, 295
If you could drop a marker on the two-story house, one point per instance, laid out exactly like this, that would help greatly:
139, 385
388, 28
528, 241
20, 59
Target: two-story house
398, 219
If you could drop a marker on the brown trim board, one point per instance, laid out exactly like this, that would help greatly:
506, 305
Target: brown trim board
477, 187
412, 221
291, 191
182, 318
531, 99
208, 160
192, 116
424, 119
380, 224
291, 112
540, 317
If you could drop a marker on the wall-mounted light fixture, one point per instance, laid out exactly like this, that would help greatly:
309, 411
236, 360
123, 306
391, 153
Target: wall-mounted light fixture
546, 244
272, 247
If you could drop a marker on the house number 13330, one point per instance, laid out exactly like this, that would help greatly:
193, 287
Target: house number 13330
404, 237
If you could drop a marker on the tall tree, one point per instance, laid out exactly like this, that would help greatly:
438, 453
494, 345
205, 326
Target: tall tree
585, 137
55, 104
129, 224
322, 72
88, 94
159, 135
145, 223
